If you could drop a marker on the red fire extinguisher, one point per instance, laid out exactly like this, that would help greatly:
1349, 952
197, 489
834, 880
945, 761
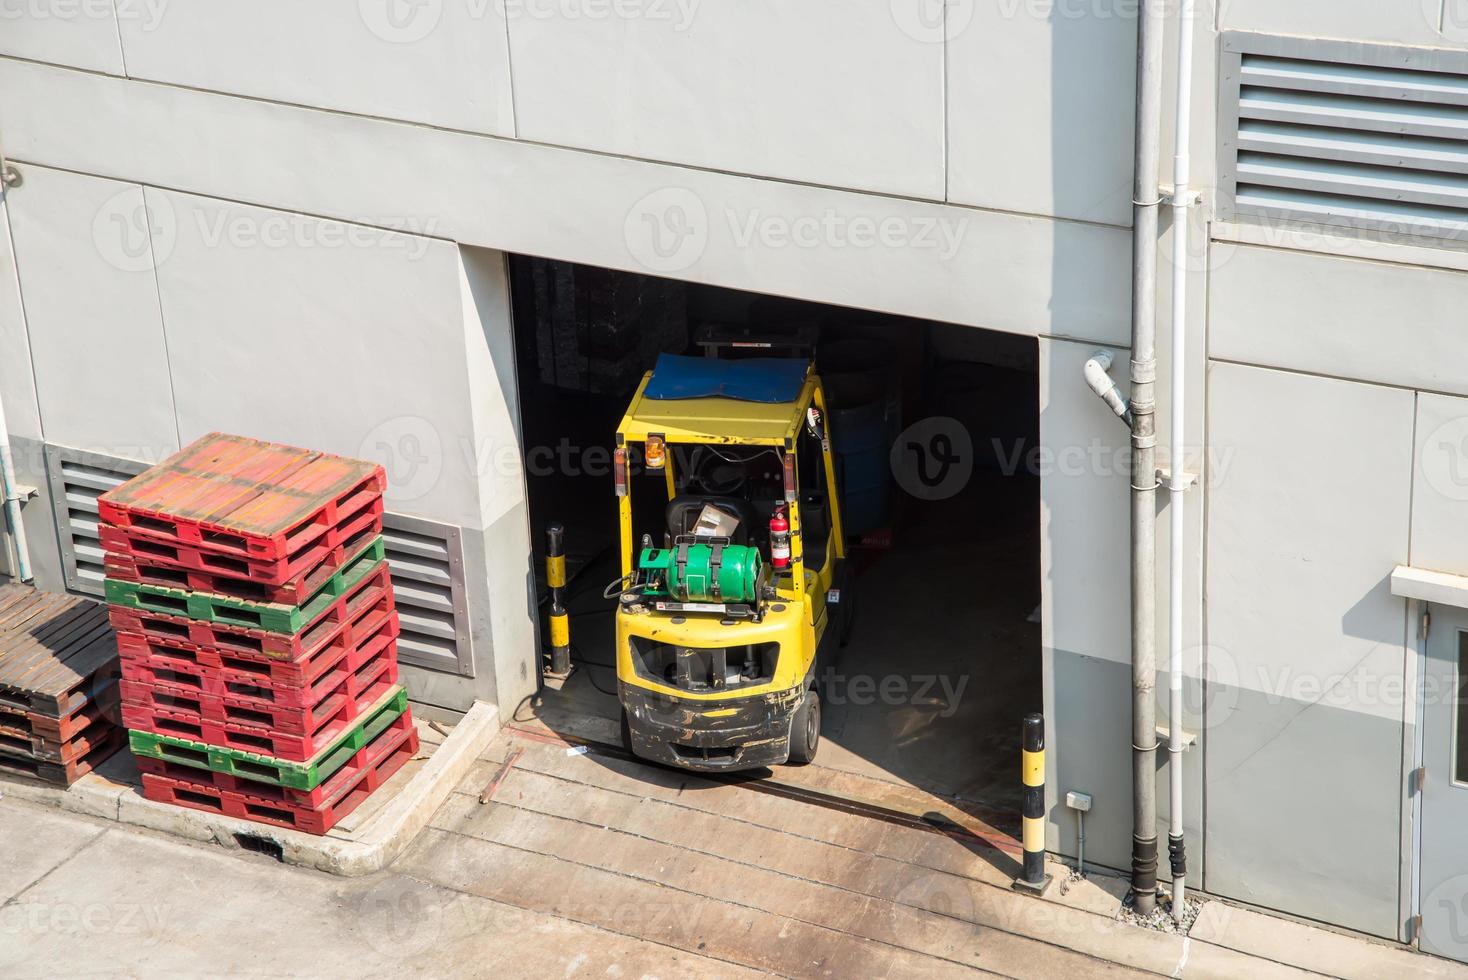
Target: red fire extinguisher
779, 538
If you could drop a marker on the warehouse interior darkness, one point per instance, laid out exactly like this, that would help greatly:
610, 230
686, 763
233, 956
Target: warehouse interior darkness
944, 656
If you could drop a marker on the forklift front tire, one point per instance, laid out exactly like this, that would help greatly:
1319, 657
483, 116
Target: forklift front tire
805, 729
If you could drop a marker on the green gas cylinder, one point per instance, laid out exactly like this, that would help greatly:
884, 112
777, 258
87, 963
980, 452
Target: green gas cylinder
700, 572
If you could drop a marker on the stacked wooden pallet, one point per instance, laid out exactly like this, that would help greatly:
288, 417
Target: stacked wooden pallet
58, 685
258, 631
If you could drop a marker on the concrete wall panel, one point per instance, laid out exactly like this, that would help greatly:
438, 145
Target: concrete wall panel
1343, 317
1085, 609
1307, 646
1041, 106
507, 615
1085, 465
81, 34
321, 334
833, 93
1005, 272
1440, 487
1432, 22
17, 383
1085, 515
446, 64
84, 248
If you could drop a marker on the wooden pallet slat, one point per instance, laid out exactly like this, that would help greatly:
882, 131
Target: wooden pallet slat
58, 669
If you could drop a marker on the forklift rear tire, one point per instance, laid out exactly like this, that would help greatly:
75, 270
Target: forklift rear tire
805, 729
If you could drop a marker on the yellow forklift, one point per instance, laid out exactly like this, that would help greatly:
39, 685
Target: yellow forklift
732, 600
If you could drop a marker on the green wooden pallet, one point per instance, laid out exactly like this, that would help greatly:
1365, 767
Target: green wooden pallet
273, 617
268, 769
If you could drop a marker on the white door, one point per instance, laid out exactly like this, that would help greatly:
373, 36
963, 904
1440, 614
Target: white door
1444, 875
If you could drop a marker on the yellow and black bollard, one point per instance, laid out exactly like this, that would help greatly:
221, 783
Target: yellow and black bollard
560, 623
1033, 878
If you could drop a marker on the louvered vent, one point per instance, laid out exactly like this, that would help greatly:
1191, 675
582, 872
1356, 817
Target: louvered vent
427, 566
1346, 135
77, 479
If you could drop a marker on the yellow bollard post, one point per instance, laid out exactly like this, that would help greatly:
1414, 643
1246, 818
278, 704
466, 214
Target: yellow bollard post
1033, 878
560, 622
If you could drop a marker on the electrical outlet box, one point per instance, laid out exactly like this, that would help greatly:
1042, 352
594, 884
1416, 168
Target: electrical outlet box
1078, 801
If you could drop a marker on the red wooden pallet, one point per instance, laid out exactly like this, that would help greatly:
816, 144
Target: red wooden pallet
373, 592
102, 706
128, 546
343, 791
286, 746
400, 731
154, 666
66, 773
15, 743
295, 592
345, 701
374, 633
242, 496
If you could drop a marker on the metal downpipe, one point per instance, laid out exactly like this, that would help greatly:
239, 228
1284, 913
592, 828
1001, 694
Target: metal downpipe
1145, 204
1182, 199
13, 498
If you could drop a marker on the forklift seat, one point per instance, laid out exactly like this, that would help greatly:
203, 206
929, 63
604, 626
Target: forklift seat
683, 511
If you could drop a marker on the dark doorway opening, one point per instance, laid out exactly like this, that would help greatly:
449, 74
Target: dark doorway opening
942, 506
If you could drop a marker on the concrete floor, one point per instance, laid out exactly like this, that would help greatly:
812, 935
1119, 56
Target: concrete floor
942, 621
588, 865
942, 665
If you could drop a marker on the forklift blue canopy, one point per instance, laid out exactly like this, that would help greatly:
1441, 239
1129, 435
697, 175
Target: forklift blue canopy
757, 379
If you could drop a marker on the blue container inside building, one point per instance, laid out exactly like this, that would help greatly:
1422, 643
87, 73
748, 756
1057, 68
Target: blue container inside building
865, 416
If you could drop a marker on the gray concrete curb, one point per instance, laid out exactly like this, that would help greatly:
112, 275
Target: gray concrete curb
369, 846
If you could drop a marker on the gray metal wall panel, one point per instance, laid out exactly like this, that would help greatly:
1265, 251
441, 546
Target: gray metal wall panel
1404, 22
1343, 317
1003, 272
317, 333
1440, 489
17, 382
823, 91
85, 250
444, 64
39, 515
1085, 623
1307, 644
1041, 119
80, 35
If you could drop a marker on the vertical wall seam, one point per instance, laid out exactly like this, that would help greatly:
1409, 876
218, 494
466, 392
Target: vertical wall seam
117, 27
162, 318
510, 75
943, 102
1412, 474
1411, 664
